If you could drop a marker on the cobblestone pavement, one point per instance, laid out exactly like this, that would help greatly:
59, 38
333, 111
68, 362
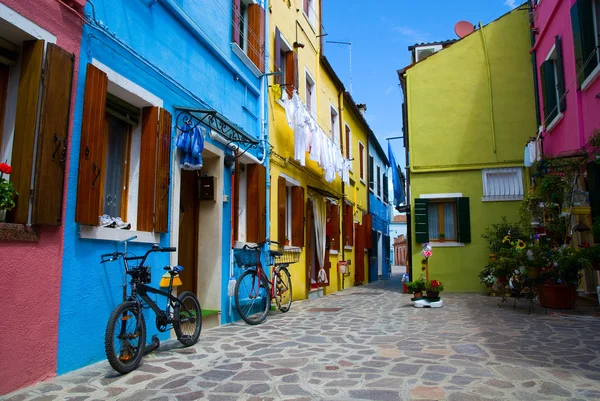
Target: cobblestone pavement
365, 343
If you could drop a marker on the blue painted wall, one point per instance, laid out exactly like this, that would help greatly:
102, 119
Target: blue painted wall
162, 53
380, 212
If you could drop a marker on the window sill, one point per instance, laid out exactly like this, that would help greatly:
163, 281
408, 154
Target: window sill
333, 252
348, 248
554, 122
502, 198
18, 232
591, 79
116, 234
363, 182
290, 248
246, 60
446, 244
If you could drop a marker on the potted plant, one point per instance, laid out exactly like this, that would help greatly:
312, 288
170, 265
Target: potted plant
561, 278
7, 192
287, 241
537, 257
592, 253
434, 288
442, 237
417, 287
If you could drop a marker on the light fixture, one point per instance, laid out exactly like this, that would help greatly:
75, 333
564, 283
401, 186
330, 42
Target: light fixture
298, 45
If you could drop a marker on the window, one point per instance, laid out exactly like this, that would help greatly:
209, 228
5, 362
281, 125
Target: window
585, 21
309, 10
285, 62
423, 52
502, 184
438, 215
311, 94
371, 174
361, 157
250, 203
553, 85
249, 31
335, 137
290, 209
34, 116
348, 143
115, 132
379, 181
385, 188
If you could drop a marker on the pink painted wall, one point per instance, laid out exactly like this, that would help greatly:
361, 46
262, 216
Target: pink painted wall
31, 272
582, 116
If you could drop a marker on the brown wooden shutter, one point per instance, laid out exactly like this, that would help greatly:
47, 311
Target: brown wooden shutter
147, 187
367, 231
91, 150
298, 216
359, 254
256, 35
163, 173
278, 61
256, 205
26, 118
290, 73
236, 22
281, 210
348, 225
236, 200
53, 136
335, 227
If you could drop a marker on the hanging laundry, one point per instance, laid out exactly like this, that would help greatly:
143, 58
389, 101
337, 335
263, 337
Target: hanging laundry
191, 144
276, 91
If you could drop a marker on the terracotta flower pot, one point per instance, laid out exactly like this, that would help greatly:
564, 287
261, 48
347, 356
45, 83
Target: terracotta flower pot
418, 294
556, 296
433, 294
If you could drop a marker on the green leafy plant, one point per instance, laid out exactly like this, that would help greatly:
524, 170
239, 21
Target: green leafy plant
441, 236
496, 233
566, 267
419, 285
7, 191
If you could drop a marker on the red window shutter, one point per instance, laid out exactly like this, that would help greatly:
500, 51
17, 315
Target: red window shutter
236, 22
335, 227
291, 72
163, 173
359, 254
348, 225
298, 216
24, 138
368, 231
91, 152
147, 187
256, 35
348, 144
281, 210
256, 207
53, 136
278, 61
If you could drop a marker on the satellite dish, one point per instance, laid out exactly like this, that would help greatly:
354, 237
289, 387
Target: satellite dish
463, 28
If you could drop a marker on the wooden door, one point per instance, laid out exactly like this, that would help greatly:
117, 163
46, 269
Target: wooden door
188, 231
359, 254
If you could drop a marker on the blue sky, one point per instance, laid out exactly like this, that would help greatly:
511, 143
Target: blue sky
380, 32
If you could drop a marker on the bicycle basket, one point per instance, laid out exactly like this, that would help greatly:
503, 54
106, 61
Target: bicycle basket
246, 258
289, 256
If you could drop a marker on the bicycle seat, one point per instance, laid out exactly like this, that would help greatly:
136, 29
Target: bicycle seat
174, 269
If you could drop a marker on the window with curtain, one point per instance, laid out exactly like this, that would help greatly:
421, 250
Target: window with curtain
442, 220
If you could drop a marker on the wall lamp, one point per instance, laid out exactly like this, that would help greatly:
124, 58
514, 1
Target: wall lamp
298, 45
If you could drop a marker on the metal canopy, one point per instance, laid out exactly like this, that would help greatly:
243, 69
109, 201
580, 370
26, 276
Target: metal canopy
189, 118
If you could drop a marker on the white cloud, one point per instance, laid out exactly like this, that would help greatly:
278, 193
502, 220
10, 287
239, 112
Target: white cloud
390, 89
411, 35
511, 3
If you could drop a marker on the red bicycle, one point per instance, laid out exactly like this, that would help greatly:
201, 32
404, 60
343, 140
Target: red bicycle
254, 291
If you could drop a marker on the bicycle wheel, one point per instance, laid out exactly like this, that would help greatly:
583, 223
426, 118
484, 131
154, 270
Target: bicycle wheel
188, 319
125, 337
252, 297
283, 289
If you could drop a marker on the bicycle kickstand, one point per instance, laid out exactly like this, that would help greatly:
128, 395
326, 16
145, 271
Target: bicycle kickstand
153, 345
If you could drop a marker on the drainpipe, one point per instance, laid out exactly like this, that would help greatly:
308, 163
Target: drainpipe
264, 133
489, 77
342, 201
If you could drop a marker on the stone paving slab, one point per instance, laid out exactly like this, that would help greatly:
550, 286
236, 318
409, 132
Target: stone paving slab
372, 347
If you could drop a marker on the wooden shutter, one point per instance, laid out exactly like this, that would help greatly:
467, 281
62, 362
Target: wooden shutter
359, 254
386, 190
147, 187
163, 173
281, 210
291, 72
582, 23
256, 35
421, 221
91, 149
464, 220
236, 200
335, 227
25, 124
296, 69
593, 176
278, 61
371, 173
368, 221
348, 225
53, 136
560, 83
549, 91
236, 34
298, 216
256, 204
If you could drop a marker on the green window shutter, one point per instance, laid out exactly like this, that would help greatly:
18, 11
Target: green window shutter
582, 22
560, 75
549, 91
464, 220
593, 175
421, 221
544, 90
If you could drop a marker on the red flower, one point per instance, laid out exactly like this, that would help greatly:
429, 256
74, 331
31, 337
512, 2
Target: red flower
5, 168
435, 283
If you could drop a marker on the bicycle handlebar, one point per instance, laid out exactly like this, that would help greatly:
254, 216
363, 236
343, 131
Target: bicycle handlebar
109, 257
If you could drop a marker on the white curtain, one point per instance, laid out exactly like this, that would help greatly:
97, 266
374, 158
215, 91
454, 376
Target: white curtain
433, 221
450, 230
320, 213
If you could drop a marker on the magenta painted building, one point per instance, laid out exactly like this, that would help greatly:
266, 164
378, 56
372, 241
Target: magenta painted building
568, 65
39, 41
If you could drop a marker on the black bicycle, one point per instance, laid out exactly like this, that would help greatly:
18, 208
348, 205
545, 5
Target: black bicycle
125, 336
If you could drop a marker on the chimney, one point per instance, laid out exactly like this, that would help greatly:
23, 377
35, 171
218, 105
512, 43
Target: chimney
362, 108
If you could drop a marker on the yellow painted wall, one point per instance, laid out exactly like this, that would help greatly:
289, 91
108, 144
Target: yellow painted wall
451, 134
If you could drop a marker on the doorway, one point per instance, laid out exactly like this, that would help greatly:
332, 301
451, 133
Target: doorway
379, 254
188, 232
